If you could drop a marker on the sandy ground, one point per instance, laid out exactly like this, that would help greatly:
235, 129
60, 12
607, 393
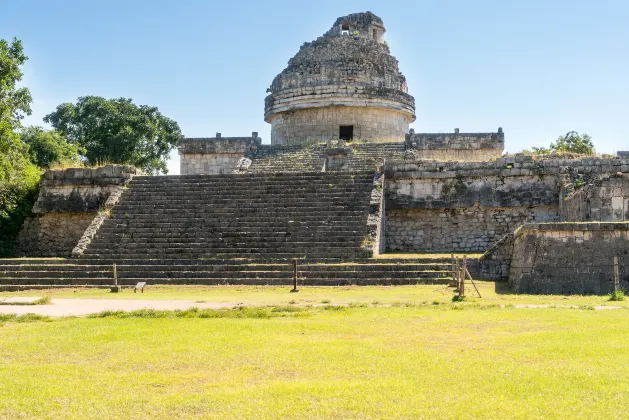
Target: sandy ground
80, 307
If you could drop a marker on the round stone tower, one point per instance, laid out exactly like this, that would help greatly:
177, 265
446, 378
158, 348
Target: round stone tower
344, 85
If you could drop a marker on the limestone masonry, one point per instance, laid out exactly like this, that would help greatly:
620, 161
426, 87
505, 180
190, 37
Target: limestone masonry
343, 180
344, 85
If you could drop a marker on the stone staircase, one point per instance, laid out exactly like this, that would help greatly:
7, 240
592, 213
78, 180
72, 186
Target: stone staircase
309, 158
48, 273
307, 215
232, 229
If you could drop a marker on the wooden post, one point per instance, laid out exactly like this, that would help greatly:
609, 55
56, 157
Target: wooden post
616, 275
472, 280
295, 290
115, 289
452, 271
462, 276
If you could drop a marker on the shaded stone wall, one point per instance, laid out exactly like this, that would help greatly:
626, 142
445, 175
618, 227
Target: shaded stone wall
471, 229
569, 258
607, 200
214, 164
459, 147
322, 124
67, 203
214, 155
52, 234
469, 206
495, 263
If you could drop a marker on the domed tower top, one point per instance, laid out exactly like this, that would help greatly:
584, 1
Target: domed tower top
345, 85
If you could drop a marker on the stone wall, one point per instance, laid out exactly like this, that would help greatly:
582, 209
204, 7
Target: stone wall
214, 155
469, 206
471, 229
52, 234
607, 200
569, 258
67, 203
322, 124
458, 147
495, 263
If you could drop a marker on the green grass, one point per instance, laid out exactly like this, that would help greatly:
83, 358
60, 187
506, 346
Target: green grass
492, 293
41, 301
401, 361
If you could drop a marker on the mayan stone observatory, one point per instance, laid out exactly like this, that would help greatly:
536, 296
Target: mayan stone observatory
342, 187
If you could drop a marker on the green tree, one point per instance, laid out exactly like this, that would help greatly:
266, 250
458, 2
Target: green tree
48, 147
118, 131
18, 175
571, 142
574, 142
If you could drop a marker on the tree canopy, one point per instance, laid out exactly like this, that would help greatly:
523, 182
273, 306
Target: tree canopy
117, 131
571, 142
18, 176
47, 147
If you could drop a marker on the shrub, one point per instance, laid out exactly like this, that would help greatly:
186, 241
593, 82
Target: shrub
617, 296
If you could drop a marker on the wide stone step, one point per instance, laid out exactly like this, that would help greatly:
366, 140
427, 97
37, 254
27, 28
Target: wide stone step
280, 274
224, 191
285, 226
256, 187
260, 178
67, 281
222, 254
267, 214
206, 232
287, 267
57, 274
323, 202
19, 284
244, 250
223, 240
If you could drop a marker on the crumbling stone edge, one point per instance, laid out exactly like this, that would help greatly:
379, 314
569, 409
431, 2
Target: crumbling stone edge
374, 240
101, 216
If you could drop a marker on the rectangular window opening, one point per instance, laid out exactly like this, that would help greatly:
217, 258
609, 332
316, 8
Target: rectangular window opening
346, 132
375, 34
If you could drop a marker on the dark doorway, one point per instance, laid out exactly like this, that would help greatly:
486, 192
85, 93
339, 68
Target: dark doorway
346, 132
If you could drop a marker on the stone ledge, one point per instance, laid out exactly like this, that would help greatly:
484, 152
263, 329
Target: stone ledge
567, 226
218, 145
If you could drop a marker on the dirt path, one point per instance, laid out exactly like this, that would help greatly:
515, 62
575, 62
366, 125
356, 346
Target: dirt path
80, 307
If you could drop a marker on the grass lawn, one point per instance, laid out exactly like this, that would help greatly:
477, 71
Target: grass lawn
431, 361
492, 293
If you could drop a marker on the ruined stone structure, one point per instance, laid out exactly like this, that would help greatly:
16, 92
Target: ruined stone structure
67, 204
607, 200
569, 258
214, 155
344, 85
343, 180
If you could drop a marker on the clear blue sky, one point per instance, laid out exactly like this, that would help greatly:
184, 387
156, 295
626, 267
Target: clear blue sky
537, 68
